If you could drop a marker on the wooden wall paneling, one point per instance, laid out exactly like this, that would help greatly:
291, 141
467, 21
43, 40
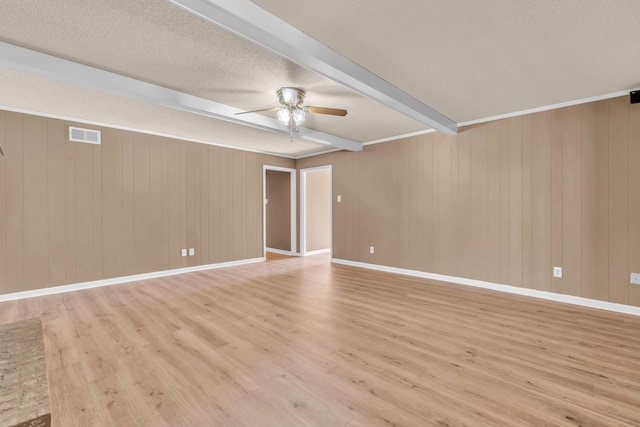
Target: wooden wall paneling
242, 189
118, 177
435, 200
526, 201
196, 242
634, 201
166, 242
36, 233
571, 201
541, 268
128, 205
515, 201
235, 199
156, 182
479, 207
339, 222
446, 234
224, 183
14, 193
556, 196
108, 195
619, 185
84, 211
3, 207
504, 202
415, 204
141, 202
389, 238
174, 197
349, 202
214, 205
192, 190
595, 200
184, 261
453, 248
493, 202
463, 204
202, 255
403, 212
97, 212
56, 194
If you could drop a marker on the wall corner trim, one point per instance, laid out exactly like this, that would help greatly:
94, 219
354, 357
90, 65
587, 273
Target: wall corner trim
550, 296
123, 279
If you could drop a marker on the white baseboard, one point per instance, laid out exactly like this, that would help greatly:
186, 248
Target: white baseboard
551, 296
319, 251
279, 251
122, 279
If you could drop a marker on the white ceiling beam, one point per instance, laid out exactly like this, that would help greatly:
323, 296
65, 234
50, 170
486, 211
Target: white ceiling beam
254, 23
58, 69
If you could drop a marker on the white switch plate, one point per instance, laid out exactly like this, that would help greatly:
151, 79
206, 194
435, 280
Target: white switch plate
557, 271
192, 251
266, 201
635, 278
183, 252
371, 249
339, 198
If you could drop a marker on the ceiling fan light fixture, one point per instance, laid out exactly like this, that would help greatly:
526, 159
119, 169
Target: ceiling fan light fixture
290, 96
299, 116
284, 115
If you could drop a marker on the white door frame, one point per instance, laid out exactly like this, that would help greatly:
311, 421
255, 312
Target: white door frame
294, 239
303, 208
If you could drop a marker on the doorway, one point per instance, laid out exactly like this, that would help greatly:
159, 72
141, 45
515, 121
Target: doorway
279, 210
316, 210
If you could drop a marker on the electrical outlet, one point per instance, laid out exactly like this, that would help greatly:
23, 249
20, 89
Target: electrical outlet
183, 252
372, 250
192, 251
557, 271
635, 278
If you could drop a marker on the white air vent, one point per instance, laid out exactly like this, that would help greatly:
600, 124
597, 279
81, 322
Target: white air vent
84, 135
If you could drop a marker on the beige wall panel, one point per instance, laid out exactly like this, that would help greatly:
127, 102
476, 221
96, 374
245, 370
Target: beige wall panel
318, 210
236, 196
515, 201
479, 207
84, 210
97, 213
447, 233
504, 202
156, 231
183, 203
166, 243
465, 213
493, 202
174, 194
595, 200
434, 165
36, 233
3, 208
108, 194
128, 205
118, 177
202, 256
215, 205
634, 200
14, 193
416, 205
526, 201
541, 268
571, 201
225, 206
340, 224
619, 201
192, 187
279, 210
141, 203
556, 196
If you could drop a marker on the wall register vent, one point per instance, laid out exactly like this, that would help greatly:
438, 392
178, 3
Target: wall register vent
84, 135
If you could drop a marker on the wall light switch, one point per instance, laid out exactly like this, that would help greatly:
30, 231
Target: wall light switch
192, 251
635, 278
266, 201
339, 198
183, 252
372, 249
557, 271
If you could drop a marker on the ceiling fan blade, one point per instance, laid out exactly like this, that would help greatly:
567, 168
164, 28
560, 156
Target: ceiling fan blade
258, 111
323, 110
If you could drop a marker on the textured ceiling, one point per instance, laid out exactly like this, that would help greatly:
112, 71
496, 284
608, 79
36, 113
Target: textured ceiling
475, 59
467, 59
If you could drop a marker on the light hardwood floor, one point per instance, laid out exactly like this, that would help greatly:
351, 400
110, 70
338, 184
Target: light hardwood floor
300, 342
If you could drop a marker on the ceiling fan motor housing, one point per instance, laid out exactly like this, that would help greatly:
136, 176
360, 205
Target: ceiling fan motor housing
291, 96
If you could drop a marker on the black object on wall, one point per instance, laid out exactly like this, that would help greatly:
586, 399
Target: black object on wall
634, 97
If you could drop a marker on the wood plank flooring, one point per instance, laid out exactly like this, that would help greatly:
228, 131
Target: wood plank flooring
300, 342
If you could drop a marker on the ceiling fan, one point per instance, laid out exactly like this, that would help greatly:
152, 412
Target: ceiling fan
292, 114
